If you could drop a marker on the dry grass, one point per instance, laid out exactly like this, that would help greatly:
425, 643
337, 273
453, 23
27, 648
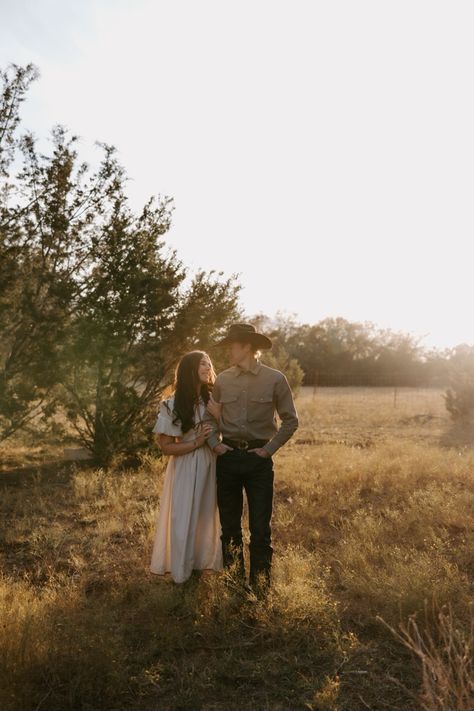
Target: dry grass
372, 526
445, 650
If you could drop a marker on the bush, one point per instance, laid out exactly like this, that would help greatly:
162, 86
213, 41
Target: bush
459, 397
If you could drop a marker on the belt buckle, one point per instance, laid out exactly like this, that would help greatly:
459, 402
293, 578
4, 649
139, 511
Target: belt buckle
243, 444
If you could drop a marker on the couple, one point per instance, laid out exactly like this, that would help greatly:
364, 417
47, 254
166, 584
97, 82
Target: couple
221, 434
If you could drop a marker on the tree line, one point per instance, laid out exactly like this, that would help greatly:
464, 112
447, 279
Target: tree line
336, 351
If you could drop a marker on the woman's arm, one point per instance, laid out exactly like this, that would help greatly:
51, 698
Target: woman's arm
172, 445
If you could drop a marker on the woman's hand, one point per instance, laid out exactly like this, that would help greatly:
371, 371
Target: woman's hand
215, 408
203, 435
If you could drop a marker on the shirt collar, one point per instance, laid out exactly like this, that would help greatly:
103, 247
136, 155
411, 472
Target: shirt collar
254, 369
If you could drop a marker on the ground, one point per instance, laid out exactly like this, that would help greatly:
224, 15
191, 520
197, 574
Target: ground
373, 545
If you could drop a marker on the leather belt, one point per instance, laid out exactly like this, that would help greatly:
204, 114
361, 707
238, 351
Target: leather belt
244, 444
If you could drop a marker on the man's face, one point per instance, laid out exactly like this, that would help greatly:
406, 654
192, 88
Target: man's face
238, 352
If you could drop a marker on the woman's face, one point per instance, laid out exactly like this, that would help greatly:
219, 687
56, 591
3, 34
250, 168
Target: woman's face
204, 369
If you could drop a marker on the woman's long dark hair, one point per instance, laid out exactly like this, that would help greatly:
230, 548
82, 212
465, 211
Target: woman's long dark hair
185, 388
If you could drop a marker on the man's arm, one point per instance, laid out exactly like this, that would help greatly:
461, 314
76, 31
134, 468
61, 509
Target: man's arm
214, 439
287, 412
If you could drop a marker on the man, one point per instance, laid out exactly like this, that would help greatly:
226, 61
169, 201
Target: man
249, 393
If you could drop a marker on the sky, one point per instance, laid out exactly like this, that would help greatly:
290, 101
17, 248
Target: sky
321, 151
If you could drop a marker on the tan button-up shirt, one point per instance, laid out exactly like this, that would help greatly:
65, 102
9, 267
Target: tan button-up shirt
249, 400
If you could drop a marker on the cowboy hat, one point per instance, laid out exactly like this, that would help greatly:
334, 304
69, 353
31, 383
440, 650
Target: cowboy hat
245, 333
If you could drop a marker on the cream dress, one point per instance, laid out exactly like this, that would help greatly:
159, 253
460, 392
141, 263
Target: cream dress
188, 526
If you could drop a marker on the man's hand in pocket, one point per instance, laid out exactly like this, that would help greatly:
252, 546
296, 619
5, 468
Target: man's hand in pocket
222, 448
261, 452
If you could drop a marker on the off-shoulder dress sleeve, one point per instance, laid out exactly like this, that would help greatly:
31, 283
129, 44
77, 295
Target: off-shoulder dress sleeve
164, 422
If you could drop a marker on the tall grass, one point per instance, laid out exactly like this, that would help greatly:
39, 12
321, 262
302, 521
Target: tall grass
372, 525
444, 647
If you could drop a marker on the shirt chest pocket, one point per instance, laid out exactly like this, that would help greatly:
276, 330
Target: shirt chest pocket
228, 399
230, 406
261, 407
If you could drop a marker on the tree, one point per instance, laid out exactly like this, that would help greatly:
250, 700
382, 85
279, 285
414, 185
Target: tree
278, 358
94, 314
54, 205
15, 84
459, 397
131, 323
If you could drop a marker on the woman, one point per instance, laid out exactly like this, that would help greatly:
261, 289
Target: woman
188, 526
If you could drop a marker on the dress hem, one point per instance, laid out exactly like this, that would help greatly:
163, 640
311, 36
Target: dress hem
168, 573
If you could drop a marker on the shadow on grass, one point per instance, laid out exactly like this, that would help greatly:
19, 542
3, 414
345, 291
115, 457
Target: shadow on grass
57, 471
147, 643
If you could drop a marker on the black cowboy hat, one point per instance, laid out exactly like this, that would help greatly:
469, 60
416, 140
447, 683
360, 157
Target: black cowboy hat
245, 333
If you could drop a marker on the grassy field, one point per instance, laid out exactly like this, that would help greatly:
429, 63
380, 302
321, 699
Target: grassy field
371, 606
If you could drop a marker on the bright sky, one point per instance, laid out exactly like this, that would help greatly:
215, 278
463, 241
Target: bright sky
322, 150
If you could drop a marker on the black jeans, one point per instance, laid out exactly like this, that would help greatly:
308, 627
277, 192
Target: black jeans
237, 470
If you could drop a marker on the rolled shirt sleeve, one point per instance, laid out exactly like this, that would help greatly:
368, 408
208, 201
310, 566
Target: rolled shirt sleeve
286, 409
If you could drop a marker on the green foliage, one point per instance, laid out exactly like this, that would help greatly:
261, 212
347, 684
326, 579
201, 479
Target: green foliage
15, 83
29, 290
53, 210
132, 322
459, 397
278, 358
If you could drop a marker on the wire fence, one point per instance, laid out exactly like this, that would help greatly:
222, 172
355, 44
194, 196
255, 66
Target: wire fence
416, 375
425, 397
